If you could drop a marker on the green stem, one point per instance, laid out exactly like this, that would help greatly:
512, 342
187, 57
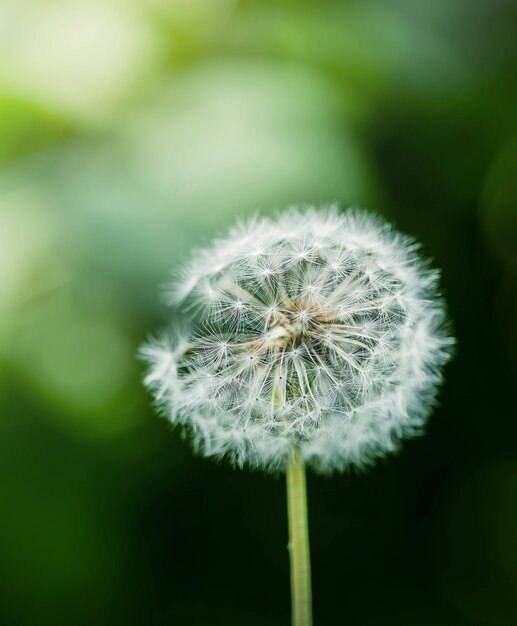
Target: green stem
299, 552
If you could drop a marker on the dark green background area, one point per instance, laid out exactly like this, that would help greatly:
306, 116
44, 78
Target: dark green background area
130, 133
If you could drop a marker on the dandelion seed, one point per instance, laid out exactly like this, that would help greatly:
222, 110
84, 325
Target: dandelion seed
337, 306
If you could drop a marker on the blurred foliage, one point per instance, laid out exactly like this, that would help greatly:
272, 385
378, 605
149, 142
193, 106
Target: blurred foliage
131, 131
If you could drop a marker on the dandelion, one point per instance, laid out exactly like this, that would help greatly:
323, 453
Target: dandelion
317, 340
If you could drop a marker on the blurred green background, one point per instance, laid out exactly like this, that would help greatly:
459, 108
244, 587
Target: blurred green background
133, 130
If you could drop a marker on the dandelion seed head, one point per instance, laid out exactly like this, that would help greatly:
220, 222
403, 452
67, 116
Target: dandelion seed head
317, 329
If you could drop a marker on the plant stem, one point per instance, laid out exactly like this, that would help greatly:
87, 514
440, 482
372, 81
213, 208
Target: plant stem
299, 552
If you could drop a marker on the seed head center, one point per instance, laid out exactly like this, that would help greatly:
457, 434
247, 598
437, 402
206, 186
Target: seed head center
296, 323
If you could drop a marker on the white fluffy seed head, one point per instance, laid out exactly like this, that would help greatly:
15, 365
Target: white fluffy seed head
318, 329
